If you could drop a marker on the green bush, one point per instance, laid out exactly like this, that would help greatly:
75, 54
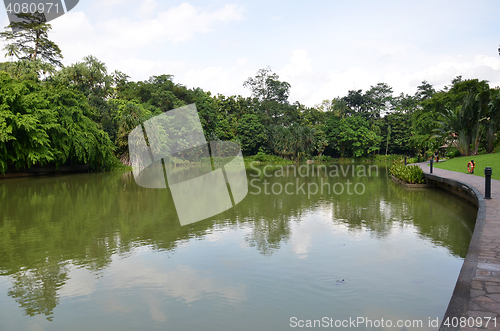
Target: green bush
413, 160
412, 174
265, 158
452, 152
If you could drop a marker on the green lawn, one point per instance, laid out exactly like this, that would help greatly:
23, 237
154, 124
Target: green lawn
459, 164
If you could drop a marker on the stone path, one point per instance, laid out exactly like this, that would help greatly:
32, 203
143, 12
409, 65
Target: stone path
484, 300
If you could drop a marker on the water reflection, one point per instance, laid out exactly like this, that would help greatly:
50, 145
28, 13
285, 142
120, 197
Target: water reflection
35, 290
51, 225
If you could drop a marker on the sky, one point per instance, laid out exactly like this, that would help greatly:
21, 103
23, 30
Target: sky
322, 48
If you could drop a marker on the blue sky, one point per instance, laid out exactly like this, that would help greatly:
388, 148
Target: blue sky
322, 48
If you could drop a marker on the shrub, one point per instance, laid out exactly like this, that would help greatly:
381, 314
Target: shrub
452, 152
265, 158
413, 160
412, 174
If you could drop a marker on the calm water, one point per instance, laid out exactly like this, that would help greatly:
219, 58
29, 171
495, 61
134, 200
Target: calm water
97, 252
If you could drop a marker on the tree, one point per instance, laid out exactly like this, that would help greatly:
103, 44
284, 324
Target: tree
380, 99
351, 136
90, 77
29, 38
129, 115
26, 69
12, 50
463, 109
493, 119
404, 103
44, 124
424, 91
425, 121
270, 98
266, 86
339, 107
388, 138
356, 101
399, 132
251, 133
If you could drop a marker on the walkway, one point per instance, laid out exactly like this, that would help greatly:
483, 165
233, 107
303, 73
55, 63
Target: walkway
484, 287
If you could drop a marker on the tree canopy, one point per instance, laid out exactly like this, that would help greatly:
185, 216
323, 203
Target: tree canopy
29, 40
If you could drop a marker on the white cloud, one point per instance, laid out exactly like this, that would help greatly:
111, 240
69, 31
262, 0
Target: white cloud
183, 22
303, 79
224, 80
299, 64
215, 48
336, 83
242, 61
147, 7
178, 24
441, 72
138, 47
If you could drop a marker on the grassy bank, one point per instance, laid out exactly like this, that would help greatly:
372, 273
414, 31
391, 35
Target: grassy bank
459, 164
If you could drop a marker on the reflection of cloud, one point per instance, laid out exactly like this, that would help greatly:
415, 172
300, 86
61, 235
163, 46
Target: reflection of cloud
113, 304
155, 305
183, 282
82, 283
303, 233
301, 244
189, 285
36, 324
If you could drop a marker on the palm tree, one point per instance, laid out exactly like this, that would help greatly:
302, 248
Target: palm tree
493, 119
463, 114
453, 124
12, 50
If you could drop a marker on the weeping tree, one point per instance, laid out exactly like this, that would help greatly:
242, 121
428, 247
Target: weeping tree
43, 124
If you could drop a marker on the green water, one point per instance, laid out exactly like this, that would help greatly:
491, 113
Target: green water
97, 252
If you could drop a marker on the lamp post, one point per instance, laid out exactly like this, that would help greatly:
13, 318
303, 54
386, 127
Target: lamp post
487, 184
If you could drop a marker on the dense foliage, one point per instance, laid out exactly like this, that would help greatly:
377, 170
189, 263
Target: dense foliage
412, 174
83, 114
44, 124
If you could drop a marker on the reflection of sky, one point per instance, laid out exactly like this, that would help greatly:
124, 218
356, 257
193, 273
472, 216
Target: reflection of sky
221, 276
184, 282
320, 223
304, 232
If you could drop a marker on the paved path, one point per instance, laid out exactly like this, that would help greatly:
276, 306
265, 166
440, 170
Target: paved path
485, 286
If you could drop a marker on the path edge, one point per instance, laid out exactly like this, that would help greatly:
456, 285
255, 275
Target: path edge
460, 298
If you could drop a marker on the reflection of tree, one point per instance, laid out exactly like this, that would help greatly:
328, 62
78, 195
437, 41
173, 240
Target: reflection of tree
88, 218
267, 234
35, 290
438, 216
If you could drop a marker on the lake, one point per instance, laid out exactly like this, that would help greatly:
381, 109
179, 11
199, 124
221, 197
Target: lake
98, 252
